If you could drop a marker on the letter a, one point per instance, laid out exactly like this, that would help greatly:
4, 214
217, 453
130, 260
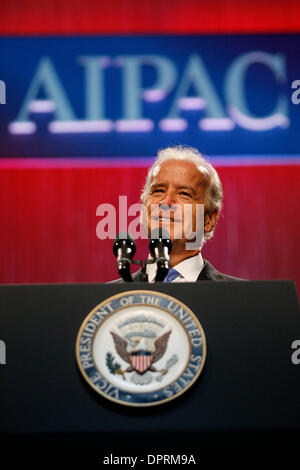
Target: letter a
47, 79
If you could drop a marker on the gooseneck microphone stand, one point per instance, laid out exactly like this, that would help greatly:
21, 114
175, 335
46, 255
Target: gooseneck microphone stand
160, 246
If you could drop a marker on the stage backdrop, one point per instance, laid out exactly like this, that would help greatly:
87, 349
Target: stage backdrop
128, 96
92, 110
48, 218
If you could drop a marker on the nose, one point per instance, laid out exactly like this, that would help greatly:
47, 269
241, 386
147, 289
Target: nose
168, 200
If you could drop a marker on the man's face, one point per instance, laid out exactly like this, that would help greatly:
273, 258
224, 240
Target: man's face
178, 183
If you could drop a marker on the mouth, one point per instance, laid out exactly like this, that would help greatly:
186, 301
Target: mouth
165, 219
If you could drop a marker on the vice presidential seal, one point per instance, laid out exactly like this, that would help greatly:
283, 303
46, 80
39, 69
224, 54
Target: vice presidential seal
141, 348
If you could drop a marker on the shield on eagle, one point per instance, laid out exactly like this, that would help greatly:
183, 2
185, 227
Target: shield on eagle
141, 360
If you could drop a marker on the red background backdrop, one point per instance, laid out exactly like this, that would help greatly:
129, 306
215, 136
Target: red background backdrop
148, 16
48, 214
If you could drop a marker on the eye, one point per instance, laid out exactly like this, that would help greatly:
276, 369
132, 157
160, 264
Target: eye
156, 191
184, 193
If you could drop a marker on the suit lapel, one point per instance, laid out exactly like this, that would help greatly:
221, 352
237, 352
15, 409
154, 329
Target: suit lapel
204, 273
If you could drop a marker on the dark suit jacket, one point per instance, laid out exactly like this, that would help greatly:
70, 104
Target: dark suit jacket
208, 273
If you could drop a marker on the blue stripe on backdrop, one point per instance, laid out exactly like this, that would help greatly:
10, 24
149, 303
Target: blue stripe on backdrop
233, 95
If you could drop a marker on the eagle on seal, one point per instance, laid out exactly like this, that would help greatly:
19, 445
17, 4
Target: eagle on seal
160, 349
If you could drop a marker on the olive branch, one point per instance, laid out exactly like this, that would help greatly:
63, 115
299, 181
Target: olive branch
113, 367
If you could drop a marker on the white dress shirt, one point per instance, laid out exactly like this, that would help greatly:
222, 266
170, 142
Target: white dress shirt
189, 269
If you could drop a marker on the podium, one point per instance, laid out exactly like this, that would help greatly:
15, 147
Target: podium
246, 397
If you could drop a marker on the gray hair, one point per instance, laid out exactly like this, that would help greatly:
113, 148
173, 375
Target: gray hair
214, 192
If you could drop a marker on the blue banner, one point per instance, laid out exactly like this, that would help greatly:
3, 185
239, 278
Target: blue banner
128, 96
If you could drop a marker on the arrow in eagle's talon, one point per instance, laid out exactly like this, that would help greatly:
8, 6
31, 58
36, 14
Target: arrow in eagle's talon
170, 363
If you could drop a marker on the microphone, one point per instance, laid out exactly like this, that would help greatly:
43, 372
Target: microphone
160, 246
124, 249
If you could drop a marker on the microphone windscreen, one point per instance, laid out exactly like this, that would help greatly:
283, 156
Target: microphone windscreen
124, 239
124, 236
159, 235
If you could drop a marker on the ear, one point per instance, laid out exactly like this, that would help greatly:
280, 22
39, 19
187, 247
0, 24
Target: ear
210, 221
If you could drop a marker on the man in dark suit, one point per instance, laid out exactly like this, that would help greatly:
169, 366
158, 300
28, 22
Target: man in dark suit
180, 182
208, 273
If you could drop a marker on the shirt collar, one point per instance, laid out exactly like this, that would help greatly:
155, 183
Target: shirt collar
189, 269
